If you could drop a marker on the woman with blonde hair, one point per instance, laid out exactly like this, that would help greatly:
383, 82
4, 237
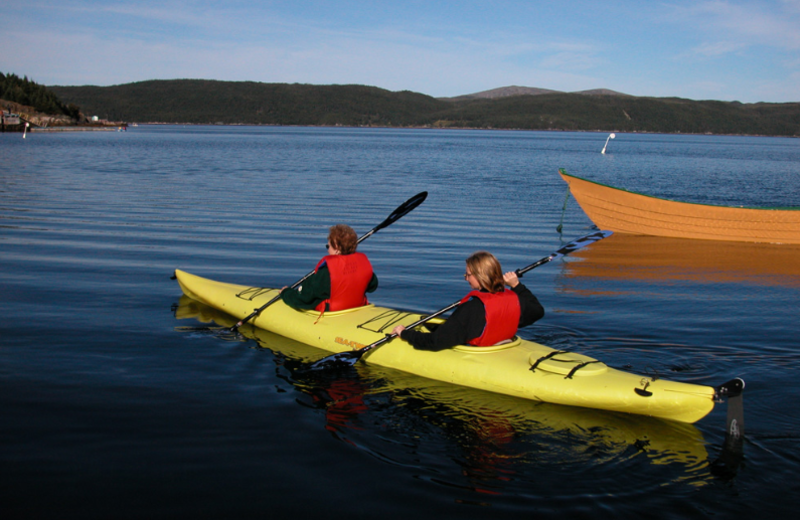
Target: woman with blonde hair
341, 279
488, 314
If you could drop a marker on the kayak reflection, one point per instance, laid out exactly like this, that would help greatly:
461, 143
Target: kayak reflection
491, 437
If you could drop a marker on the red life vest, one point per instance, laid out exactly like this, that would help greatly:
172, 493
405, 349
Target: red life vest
502, 316
350, 277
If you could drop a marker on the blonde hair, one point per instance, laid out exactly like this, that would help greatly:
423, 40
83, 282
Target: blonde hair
486, 269
343, 238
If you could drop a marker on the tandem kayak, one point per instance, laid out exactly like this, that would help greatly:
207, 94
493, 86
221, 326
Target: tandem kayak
519, 368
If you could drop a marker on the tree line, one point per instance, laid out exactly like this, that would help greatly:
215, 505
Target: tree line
29, 93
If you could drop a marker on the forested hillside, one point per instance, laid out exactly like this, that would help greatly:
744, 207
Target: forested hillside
220, 102
26, 92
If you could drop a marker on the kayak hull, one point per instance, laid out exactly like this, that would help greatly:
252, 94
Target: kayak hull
521, 368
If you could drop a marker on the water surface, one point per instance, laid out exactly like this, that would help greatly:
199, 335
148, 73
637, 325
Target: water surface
117, 404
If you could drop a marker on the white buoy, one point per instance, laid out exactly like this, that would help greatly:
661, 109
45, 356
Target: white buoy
25, 130
612, 136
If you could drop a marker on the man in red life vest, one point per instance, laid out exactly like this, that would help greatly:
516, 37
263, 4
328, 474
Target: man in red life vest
340, 279
489, 314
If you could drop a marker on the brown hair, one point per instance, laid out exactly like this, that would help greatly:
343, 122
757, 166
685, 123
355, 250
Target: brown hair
486, 269
343, 238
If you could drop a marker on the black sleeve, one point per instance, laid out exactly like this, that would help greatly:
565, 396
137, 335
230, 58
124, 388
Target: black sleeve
531, 309
466, 323
314, 290
373, 284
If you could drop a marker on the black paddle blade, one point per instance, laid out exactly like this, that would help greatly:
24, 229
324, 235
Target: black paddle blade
567, 249
339, 361
403, 209
583, 242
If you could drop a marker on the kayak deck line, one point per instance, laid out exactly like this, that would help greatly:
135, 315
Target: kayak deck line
386, 321
578, 362
520, 368
254, 292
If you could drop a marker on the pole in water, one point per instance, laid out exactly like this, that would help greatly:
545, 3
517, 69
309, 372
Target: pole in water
611, 136
563, 210
25, 130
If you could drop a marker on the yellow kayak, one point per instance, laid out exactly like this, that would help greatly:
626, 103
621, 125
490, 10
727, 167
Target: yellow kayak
520, 368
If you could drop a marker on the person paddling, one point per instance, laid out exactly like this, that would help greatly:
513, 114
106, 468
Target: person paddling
489, 314
341, 279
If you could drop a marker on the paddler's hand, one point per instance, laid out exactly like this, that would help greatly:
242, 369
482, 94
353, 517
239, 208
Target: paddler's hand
511, 279
399, 331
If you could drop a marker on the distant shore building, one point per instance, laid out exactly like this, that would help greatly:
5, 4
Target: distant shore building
9, 118
10, 122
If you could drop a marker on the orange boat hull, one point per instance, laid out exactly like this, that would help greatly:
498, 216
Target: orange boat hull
624, 211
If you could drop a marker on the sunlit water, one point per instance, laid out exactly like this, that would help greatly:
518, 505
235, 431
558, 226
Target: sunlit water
120, 399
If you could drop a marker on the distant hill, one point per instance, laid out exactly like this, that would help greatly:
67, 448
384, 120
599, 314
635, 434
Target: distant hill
526, 91
600, 92
504, 92
252, 103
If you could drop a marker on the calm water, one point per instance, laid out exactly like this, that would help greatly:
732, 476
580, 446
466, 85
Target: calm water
116, 403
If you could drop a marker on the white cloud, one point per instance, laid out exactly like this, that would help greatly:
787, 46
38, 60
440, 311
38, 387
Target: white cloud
751, 23
717, 48
571, 61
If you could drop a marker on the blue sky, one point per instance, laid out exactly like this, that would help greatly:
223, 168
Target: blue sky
728, 50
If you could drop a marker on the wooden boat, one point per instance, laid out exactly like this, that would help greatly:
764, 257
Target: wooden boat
625, 211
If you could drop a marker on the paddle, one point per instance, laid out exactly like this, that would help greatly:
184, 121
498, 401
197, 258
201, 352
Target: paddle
399, 212
349, 358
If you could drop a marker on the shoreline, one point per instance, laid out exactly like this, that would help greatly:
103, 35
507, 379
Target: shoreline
121, 127
109, 128
468, 128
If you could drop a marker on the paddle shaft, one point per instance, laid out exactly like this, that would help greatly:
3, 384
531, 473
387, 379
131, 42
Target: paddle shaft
572, 246
351, 357
417, 323
399, 212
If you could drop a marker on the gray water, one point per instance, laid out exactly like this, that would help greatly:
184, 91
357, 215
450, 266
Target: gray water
120, 399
